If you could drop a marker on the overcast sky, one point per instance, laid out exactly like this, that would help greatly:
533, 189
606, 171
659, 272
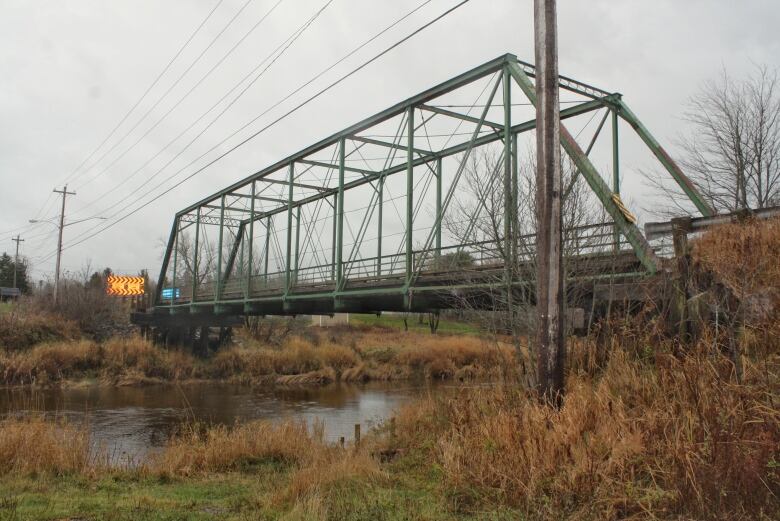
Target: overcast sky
71, 69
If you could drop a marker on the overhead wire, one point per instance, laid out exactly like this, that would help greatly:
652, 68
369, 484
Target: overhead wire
177, 104
157, 79
172, 86
272, 123
148, 89
286, 45
285, 98
277, 53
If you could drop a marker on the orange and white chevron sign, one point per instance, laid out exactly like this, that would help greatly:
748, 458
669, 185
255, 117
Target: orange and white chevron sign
124, 286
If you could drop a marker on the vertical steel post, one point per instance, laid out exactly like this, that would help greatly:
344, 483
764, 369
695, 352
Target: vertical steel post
409, 193
248, 283
241, 265
439, 173
615, 170
333, 241
297, 243
508, 248
175, 261
508, 260
195, 259
267, 247
218, 285
340, 218
379, 226
549, 279
288, 264
515, 200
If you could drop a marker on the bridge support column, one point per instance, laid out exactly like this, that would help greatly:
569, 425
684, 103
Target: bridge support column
340, 219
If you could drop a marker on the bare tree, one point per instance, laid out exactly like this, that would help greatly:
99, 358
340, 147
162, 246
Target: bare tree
476, 220
732, 154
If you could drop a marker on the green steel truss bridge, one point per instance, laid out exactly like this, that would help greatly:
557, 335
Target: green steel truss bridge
412, 208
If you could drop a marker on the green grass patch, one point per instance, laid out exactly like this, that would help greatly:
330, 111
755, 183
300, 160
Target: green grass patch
232, 496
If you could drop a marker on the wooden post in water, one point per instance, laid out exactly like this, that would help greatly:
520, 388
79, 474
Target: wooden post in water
549, 266
357, 435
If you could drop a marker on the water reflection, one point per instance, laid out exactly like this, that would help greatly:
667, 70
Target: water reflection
131, 421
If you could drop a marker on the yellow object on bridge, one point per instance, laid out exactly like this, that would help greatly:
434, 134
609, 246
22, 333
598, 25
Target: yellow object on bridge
124, 286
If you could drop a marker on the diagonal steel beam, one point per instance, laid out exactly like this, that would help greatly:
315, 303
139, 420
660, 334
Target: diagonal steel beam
371, 141
331, 166
634, 236
464, 117
669, 164
295, 184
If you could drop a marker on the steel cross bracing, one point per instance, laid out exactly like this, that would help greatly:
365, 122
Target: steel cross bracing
383, 215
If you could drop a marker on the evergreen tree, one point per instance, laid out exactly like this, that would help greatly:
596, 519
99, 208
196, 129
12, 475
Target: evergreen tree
7, 267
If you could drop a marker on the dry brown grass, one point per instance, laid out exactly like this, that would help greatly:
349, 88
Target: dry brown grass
355, 355
680, 438
35, 446
20, 329
744, 256
315, 465
297, 361
118, 361
219, 448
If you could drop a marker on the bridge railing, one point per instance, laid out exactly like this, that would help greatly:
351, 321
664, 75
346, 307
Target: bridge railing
390, 269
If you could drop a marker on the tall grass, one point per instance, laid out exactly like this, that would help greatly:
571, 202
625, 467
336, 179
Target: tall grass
35, 445
679, 438
21, 329
119, 361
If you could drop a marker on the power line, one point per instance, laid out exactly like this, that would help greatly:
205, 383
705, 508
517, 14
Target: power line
274, 122
286, 45
283, 46
304, 85
148, 89
170, 88
180, 101
123, 119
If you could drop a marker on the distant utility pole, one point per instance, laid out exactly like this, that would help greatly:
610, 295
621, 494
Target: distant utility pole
549, 275
64, 193
17, 240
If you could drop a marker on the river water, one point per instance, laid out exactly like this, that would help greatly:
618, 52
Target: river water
131, 421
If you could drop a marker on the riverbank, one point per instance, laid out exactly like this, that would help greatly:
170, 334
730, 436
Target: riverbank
311, 357
638, 438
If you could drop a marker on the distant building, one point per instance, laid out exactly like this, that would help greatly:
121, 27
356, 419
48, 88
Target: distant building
338, 319
9, 294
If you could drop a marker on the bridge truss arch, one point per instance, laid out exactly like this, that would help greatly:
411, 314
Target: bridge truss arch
381, 216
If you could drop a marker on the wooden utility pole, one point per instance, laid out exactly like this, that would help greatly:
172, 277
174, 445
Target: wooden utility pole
17, 240
549, 276
64, 193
